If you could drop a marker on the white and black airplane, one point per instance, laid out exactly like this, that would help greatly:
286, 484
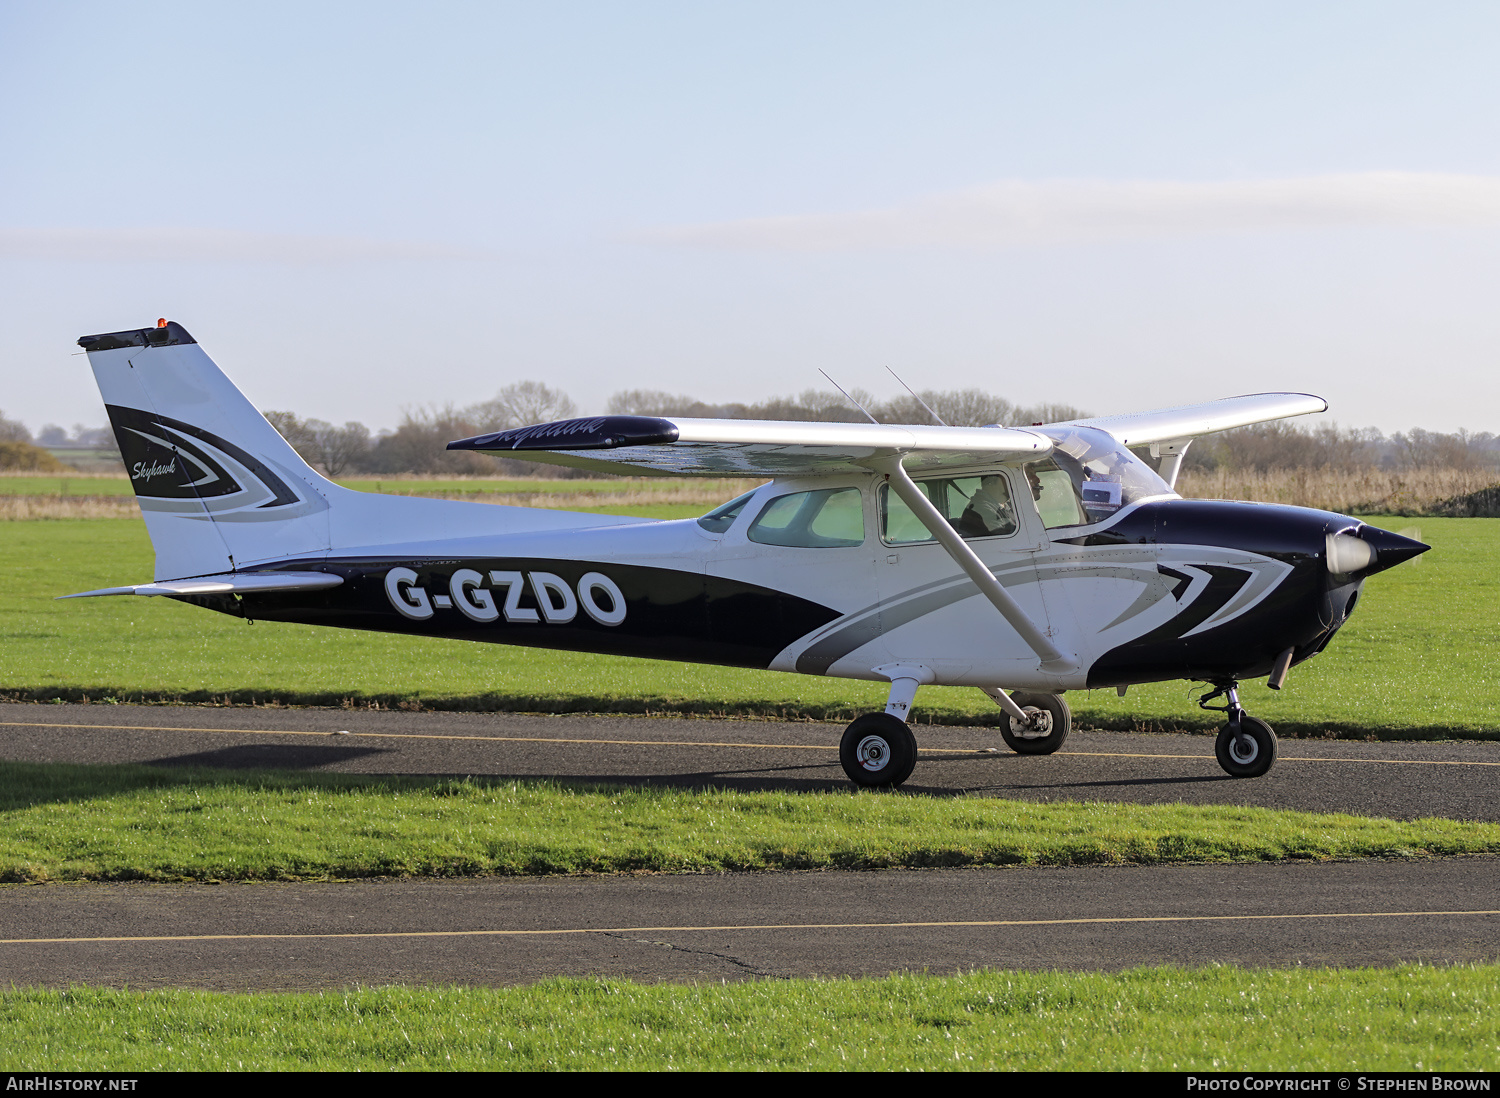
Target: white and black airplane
1023, 561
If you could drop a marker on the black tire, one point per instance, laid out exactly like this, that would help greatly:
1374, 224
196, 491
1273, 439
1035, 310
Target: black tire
878, 750
1252, 754
1056, 720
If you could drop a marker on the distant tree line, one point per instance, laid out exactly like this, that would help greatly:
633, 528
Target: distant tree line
956, 408
417, 445
18, 453
1288, 445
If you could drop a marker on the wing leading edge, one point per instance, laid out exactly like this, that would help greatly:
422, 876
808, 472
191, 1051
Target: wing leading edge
653, 446
1194, 420
644, 445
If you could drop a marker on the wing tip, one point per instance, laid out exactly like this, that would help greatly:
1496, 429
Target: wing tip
591, 433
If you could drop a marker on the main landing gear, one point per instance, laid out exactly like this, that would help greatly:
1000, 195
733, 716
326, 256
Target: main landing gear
1246, 747
1043, 726
879, 750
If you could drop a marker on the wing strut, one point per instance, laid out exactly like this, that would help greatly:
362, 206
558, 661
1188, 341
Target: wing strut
1054, 661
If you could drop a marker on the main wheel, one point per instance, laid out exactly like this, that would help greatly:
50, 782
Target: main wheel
877, 750
1251, 753
1053, 720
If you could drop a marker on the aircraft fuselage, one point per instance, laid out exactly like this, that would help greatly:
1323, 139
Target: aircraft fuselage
1165, 589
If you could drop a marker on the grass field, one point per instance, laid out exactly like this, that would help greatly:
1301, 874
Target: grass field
626, 490
1409, 1019
1417, 660
67, 823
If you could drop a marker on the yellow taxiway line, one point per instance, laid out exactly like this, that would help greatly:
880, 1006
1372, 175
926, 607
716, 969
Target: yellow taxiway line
977, 923
938, 753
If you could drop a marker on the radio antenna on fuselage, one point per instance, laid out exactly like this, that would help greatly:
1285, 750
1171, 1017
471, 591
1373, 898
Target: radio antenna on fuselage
847, 397
914, 396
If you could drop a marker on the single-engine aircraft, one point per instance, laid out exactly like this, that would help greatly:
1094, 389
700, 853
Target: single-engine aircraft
1023, 561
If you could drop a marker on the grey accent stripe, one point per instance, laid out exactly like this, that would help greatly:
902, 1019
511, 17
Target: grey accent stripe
823, 654
865, 625
1157, 588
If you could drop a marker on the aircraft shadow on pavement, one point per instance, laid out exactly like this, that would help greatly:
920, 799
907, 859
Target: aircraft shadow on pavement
254, 756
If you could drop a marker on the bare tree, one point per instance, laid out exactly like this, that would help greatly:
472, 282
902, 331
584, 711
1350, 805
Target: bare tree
651, 402
296, 432
339, 449
814, 405
520, 405
655, 402
13, 430
956, 408
419, 444
1047, 413
1417, 448
329, 449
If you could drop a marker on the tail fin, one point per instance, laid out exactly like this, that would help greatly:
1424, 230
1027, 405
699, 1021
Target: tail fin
218, 487
221, 490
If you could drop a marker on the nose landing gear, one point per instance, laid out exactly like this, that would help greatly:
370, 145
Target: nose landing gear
1246, 747
878, 750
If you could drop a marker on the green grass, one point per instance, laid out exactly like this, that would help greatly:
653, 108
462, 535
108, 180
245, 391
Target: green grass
75, 484
724, 489
83, 484
1214, 1019
1417, 659
67, 823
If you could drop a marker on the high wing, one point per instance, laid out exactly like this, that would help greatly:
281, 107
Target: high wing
651, 446
1193, 420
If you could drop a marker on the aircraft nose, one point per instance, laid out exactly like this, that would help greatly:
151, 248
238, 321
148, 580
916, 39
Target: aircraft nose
1369, 551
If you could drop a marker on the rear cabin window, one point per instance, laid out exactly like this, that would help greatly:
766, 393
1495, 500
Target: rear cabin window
977, 507
830, 518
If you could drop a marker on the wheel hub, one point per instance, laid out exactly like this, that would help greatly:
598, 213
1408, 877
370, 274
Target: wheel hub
1243, 749
1038, 724
873, 753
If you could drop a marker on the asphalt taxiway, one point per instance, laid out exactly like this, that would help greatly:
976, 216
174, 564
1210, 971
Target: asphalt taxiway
1457, 780
732, 926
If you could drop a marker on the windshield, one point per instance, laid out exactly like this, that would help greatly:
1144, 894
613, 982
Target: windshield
722, 517
1089, 477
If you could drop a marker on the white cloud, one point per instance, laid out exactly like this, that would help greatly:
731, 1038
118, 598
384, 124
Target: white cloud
212, 245
1015, 212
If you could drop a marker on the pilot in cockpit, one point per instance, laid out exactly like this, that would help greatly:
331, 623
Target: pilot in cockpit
989, 511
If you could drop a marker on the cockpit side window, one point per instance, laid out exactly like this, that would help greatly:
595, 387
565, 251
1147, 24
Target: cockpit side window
976, 506
829, 518
1056, 497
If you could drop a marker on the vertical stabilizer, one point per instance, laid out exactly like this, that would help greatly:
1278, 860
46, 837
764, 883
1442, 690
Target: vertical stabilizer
218, 486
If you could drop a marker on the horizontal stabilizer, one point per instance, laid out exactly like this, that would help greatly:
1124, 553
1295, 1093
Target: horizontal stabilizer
246, 583
1194, 420
746, 447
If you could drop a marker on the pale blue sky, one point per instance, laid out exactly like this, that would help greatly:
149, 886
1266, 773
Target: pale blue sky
358, 207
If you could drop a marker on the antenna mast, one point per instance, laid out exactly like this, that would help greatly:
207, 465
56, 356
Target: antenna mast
914, 396
847, 397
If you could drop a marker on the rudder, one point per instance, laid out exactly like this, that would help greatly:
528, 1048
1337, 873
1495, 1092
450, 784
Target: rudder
219, 488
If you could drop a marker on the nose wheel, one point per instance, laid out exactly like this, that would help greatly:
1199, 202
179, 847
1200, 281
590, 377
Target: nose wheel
1246, 747
878, 750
